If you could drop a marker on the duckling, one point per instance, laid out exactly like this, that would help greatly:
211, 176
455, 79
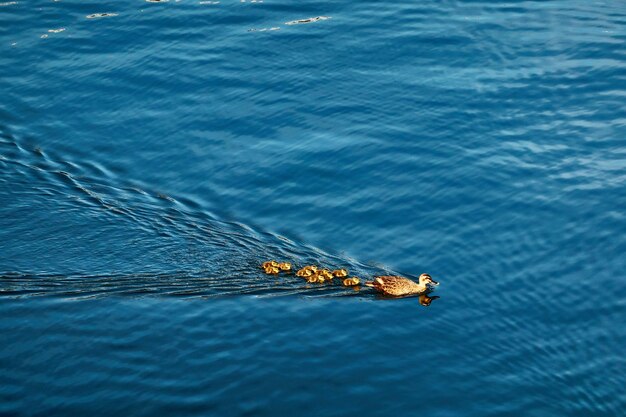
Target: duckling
304, 272
326, 274
272, 264
399, 286
313, 279
340, 273
350, 282
271, 270
284, 266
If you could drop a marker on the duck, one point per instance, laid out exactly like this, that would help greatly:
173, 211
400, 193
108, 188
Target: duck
350, 282
340, 273
315, 279
268, 264
271, 270
305, 272
326, 274
284, 266
401, 286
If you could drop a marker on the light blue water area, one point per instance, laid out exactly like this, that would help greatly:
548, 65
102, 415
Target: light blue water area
152, 158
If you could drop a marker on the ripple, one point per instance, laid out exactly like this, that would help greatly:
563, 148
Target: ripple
100, 15
217, 258
264, 29
308, 20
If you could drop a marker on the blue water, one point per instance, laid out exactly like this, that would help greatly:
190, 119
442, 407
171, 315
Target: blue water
150, 160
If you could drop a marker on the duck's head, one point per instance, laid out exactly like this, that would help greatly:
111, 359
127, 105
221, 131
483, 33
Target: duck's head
427, 280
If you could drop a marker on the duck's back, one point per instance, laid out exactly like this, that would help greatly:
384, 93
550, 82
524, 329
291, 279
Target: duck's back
394, 285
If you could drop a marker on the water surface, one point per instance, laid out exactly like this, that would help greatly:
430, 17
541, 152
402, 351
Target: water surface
152, 157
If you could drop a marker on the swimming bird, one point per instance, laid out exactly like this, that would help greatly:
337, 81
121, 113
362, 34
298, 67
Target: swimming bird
284, 266
315, 279
268, 264
305, 272
340, 273
399, 286
326, 274
271, 270
350, 282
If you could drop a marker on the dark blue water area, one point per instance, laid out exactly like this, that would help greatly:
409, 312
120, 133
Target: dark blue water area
152, 158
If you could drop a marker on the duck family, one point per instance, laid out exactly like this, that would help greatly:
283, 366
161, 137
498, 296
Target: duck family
395, 286
311, 273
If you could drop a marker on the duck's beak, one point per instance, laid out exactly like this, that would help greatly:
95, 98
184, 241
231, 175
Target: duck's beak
435, 283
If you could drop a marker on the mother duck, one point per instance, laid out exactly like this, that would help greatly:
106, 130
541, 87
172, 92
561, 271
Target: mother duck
400, 286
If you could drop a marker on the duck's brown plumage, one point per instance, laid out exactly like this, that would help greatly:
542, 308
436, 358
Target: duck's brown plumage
396, 286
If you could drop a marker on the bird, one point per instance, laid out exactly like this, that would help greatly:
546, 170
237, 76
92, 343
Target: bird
271, 270
326, 274
400, 286
268, 264
315, 279
340, 273
350, 282
305, 272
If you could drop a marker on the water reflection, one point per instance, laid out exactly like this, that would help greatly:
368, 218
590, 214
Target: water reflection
425, 300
